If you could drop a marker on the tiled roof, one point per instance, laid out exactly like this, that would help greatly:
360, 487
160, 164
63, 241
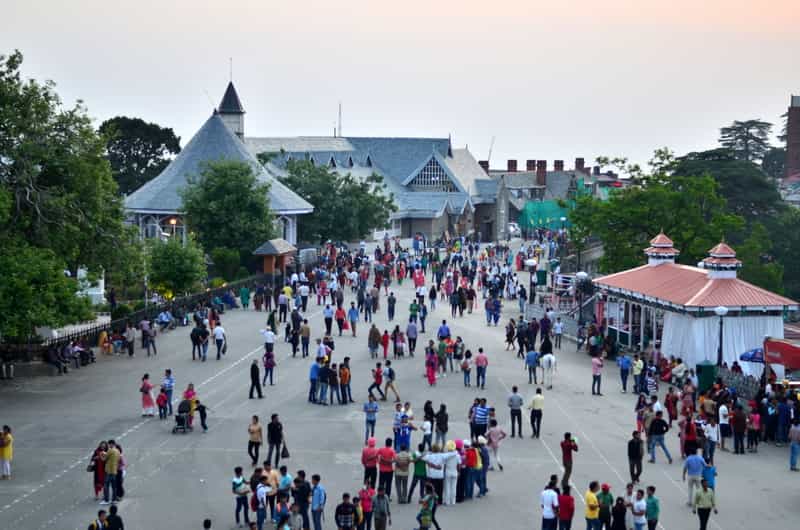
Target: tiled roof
274, 247
722, 251
213, 142
661, 240
230, 103
430, 204
689, 287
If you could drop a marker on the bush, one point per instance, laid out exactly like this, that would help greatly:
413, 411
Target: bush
216, 282
102, 308
226, 262
139, 305
122, 310
242, 273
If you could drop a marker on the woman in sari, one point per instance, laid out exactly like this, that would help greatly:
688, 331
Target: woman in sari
97, 465
190, 395
146, 390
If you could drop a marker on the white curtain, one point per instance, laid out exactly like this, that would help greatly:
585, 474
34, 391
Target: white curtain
697, 339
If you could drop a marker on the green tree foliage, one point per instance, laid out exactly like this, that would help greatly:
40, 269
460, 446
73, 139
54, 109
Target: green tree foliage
54, 169
689, 209
749, 139
786, 249
774, 163
226, 262
226, 207
35, 292
175, 268
758, 266
345, 208
137, 150
747, 189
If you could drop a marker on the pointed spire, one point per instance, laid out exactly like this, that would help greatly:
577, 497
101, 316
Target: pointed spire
230, 103
661, 250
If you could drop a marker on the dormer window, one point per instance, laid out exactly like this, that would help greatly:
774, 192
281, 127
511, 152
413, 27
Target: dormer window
332, 162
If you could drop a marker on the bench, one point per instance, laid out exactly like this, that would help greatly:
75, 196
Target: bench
34, 369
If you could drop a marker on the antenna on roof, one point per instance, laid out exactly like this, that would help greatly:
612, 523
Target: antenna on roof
340, 119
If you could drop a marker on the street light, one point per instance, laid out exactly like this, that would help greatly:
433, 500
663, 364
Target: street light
563, 222
580, 278
720, 311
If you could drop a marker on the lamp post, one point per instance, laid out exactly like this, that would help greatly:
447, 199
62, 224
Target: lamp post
173, 222
563, 223
720, 311
580, 278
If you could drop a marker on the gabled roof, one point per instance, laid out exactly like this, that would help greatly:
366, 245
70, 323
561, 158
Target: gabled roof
230, 103
213, 142
274, 247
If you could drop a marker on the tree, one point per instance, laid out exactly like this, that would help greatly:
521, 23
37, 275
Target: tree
746, 188
346, 208
774, 163
688, 208
786, 249
137, 150
36, 292
226, 207
758, 266
54, 170
749, 140
226, 262
174, 267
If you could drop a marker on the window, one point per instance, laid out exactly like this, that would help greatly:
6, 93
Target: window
432, 177
332, 162
368, 162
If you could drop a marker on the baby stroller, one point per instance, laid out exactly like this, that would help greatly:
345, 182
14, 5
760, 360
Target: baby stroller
182, 417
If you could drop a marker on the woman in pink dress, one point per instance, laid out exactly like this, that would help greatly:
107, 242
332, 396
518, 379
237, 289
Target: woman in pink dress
430, 364
148, 403
190, 395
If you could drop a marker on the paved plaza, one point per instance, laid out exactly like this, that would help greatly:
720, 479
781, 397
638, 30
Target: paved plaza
175, 481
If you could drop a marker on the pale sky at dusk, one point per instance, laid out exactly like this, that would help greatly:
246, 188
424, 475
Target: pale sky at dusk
550, 80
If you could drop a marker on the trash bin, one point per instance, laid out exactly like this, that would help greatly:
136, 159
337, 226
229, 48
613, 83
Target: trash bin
541, 277
706, 375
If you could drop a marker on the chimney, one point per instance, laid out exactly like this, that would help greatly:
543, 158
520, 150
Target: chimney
596, 170
558, 165
512, 166
484, 165
541, 173
530, 165
579, 164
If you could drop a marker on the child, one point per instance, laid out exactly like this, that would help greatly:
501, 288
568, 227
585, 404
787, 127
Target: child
710, 474
201, 409
162, 401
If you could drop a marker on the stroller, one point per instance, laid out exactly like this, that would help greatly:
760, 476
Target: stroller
182, 417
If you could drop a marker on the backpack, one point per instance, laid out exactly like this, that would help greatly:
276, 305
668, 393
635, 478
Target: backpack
465, 365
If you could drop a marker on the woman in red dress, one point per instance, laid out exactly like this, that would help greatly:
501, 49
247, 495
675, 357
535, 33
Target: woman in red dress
98, 467
146, 391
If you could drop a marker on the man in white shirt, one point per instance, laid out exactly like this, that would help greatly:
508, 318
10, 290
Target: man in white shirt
724, 425
262, 492
549, 503
657, 406
558, 331
304, 290
711, 431
269, 339
639, 509
219, 338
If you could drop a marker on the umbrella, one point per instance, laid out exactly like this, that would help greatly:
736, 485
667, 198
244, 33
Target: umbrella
755, 355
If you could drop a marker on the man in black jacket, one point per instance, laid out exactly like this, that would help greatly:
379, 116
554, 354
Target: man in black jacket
274, 438
255, 379
635, 456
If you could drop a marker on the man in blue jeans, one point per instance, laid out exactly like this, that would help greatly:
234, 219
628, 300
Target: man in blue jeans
262, 491
318, 498
658, 428
371, 413
794, 441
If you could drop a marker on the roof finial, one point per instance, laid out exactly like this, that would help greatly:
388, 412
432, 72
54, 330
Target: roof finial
230, 68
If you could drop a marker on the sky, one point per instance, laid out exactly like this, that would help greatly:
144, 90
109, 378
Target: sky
545, 80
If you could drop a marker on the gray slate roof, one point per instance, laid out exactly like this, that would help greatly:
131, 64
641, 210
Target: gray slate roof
214, 141
230, 103
557, 181
274, 247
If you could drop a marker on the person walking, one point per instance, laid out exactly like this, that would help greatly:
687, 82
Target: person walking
515, 403
536, 407
255, 380
240, 490
313, 378
481, 364
531, 362
377, 380
635, 456
566, 509
220, 340
495, 436
305, 337
704, 502
168, 384
390, 376
370, 417
402, 464
693, 467
606, 501
275, 438
386, 457
568, 446
381, 510
114, 521
658, 428
256, 438
344, 381
269, 367
369, 459
624, 363
794, 444
639, 509
352, 316
146, 392
111, 467
365, 495
597, 372
6, 452
440, 420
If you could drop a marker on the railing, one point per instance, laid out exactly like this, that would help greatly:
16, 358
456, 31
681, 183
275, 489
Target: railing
36, 347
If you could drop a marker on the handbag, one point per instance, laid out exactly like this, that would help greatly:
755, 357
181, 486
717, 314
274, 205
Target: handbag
225, 348
285, 451
90, 467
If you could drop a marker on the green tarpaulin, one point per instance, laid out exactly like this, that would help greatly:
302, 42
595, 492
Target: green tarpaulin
545, 214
